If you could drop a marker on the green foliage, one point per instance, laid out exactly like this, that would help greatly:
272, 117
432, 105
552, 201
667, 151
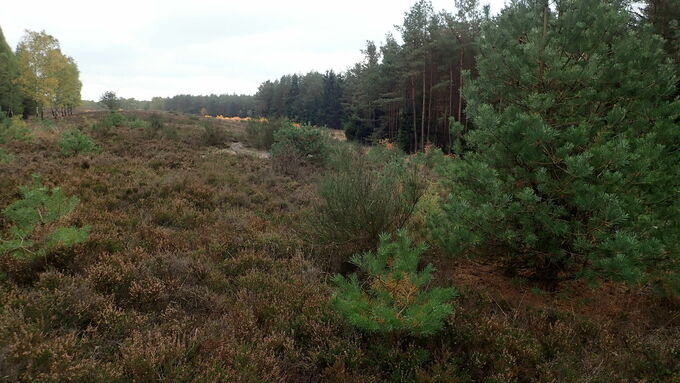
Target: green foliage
395, 299
572, 173
362, 197
73, 141
35, 218
295, 146
137, 123
157, 126
46, 124
47, 77
12, 129
5, 157
11, 96
260, 133
110, 100
111, 120
213, 134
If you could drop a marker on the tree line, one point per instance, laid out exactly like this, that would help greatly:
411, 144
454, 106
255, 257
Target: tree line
410, 89
406, 91
37, 77
232, 105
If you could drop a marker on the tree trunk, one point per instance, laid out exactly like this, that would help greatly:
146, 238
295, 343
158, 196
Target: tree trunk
415, 119
429, 108
460, 84
422, 117
545, 32
450, 88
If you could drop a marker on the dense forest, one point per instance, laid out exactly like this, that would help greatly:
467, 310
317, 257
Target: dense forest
497, 201
410, 89
231, 105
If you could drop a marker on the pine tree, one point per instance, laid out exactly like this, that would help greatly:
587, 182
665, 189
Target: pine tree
110, 101
664, 15
10, 95
35, 222
575, 163
395, 299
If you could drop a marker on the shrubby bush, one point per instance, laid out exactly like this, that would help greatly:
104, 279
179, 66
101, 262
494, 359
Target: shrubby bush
213, 134
157, 126
394, 298
363, 196
137, 123
110, 120
73, 142
35, 222
12, 129
46, 123
299, 146
260, 133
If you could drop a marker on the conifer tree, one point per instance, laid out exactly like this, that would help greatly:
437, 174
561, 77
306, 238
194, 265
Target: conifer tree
575, 163
395, 299
664, 15
10, 95
35, 222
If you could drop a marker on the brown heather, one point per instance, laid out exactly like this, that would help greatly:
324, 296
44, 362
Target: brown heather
195, 272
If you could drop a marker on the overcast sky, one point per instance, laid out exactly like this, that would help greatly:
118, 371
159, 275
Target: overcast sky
147, 48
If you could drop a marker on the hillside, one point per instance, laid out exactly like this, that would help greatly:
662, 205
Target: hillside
197, 268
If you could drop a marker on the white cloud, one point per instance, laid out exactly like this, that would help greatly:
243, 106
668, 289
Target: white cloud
161, 48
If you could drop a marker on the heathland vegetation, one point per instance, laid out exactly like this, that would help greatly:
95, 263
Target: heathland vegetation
505, 209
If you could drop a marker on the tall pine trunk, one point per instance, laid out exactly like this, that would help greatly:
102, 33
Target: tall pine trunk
422, 117
460, 84
429, 107
415, 119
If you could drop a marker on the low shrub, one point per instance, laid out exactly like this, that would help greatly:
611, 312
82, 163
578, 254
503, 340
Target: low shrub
394, 298
46, 124
73, 142
360, 199
260, 133
12, 129
111, 120
35, 222
298, 146
157, 126
137, 123
5, 157
213, 134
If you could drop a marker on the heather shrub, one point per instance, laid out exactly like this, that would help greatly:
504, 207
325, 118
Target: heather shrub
394, 298
213, 134
72, 142
360, 199
299, 146
260, 133
35, 220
